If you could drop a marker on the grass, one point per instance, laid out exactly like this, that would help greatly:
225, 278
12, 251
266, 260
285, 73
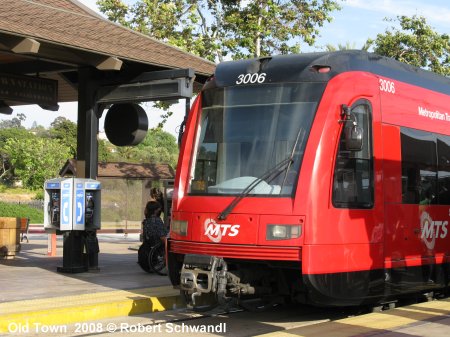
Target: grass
14, 190
21, 211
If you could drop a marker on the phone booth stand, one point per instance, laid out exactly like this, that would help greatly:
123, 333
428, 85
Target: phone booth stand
72, 208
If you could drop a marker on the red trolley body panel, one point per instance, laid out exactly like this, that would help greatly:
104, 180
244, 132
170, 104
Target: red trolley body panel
343, 254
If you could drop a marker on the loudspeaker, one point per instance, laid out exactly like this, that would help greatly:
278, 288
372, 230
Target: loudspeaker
126, 124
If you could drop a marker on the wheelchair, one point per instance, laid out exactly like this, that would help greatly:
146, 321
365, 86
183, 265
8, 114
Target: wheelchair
152, 258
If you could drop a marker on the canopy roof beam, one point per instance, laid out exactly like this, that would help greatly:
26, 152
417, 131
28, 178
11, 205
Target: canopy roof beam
21, 45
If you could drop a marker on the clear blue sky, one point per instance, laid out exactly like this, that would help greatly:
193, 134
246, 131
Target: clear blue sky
362, 19
355, 23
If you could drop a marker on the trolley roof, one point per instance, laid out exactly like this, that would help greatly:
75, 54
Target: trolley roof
305, 68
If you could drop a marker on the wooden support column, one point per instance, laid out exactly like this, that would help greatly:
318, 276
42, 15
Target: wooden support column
87, 130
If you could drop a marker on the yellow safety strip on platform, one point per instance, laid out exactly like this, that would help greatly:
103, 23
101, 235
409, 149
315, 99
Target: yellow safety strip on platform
73, 309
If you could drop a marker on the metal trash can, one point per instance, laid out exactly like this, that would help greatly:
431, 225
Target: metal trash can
9, 237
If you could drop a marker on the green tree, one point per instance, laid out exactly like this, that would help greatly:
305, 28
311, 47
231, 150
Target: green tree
103, 152
160, 147
35, 160
18, 133
129, 154
157, 147
65, 131
39, 130
265, 27
225, 28
415, 43
16, 122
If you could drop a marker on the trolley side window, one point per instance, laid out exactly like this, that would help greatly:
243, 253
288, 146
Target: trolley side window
443, 150
425, 167
353, 172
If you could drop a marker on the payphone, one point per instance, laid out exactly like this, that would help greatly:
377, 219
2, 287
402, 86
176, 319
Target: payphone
72, 204
53, 205
72, 208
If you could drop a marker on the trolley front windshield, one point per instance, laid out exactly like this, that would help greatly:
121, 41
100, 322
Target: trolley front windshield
245, 131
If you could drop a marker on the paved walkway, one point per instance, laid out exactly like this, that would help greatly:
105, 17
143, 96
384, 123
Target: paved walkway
31, 288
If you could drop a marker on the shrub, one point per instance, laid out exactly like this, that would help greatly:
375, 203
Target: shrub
21, 211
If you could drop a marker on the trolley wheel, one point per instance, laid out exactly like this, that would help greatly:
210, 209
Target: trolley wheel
157, 259
143, 256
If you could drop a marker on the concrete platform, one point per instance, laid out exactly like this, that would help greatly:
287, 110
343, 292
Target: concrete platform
32, 290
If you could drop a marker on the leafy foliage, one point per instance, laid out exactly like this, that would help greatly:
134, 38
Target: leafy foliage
103, 150
35, 160
225, 28
16, 122
165, 107
415, 43
264, 27
6, 169
160, 147
157, 147
16, 162
21, 211
65, 131
346, 46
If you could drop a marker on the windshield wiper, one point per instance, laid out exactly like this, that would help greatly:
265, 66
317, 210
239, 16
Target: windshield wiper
276, 171
302, 132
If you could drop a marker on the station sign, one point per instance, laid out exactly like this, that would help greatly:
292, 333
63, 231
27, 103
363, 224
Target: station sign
28, 89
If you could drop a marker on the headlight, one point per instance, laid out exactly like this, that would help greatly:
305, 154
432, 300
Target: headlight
283, 232
179, 227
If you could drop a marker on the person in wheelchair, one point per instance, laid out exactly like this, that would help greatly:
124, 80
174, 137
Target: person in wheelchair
154, 233
154, 228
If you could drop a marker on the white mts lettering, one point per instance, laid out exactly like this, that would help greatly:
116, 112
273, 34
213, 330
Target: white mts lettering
428, 229
213, 230
225, 228
444, 229
234, 230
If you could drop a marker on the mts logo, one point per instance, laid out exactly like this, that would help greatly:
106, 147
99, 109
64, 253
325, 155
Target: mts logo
215, 231
432, 230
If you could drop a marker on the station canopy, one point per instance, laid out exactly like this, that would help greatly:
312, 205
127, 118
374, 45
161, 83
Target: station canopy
44, 43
